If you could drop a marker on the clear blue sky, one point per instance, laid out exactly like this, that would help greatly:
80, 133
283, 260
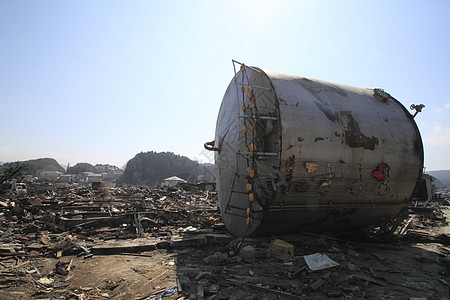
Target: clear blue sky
100, 81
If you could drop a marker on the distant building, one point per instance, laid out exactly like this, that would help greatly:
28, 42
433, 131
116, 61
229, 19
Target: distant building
172, 181
109, 176
88, 177
94, 178
67, 178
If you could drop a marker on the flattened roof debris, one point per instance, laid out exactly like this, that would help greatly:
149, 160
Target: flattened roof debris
174, 178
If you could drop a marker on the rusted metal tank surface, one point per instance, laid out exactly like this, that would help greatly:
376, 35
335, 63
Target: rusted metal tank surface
297, 154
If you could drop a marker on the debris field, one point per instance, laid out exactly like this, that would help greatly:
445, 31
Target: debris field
76, 242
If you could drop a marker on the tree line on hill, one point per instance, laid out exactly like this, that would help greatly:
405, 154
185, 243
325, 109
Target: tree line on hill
35, 166
150, 168
18, 170
98, 168
146, 168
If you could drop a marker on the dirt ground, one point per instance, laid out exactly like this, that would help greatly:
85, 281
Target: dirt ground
99, 277
405, 269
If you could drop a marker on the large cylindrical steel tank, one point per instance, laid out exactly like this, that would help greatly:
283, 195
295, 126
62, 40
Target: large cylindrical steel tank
298, 154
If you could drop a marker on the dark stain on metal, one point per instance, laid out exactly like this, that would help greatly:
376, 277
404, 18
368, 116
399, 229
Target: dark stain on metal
318, 139
282, 101
332, 116
341, 212
355, 138
353, 135
301, 187
323, 192
337, 215
300, 139
315, 87
338, 91
337, 134
290, 146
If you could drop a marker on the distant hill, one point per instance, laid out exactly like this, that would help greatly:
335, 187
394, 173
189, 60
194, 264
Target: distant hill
80, 168
98, 168
442, 175
35, 166
150, 168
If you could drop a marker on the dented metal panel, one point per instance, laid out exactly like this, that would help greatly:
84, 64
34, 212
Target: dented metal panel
299, 153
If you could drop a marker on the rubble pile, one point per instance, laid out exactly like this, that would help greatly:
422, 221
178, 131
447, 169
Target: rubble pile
424, 222
74, 242
113, 213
